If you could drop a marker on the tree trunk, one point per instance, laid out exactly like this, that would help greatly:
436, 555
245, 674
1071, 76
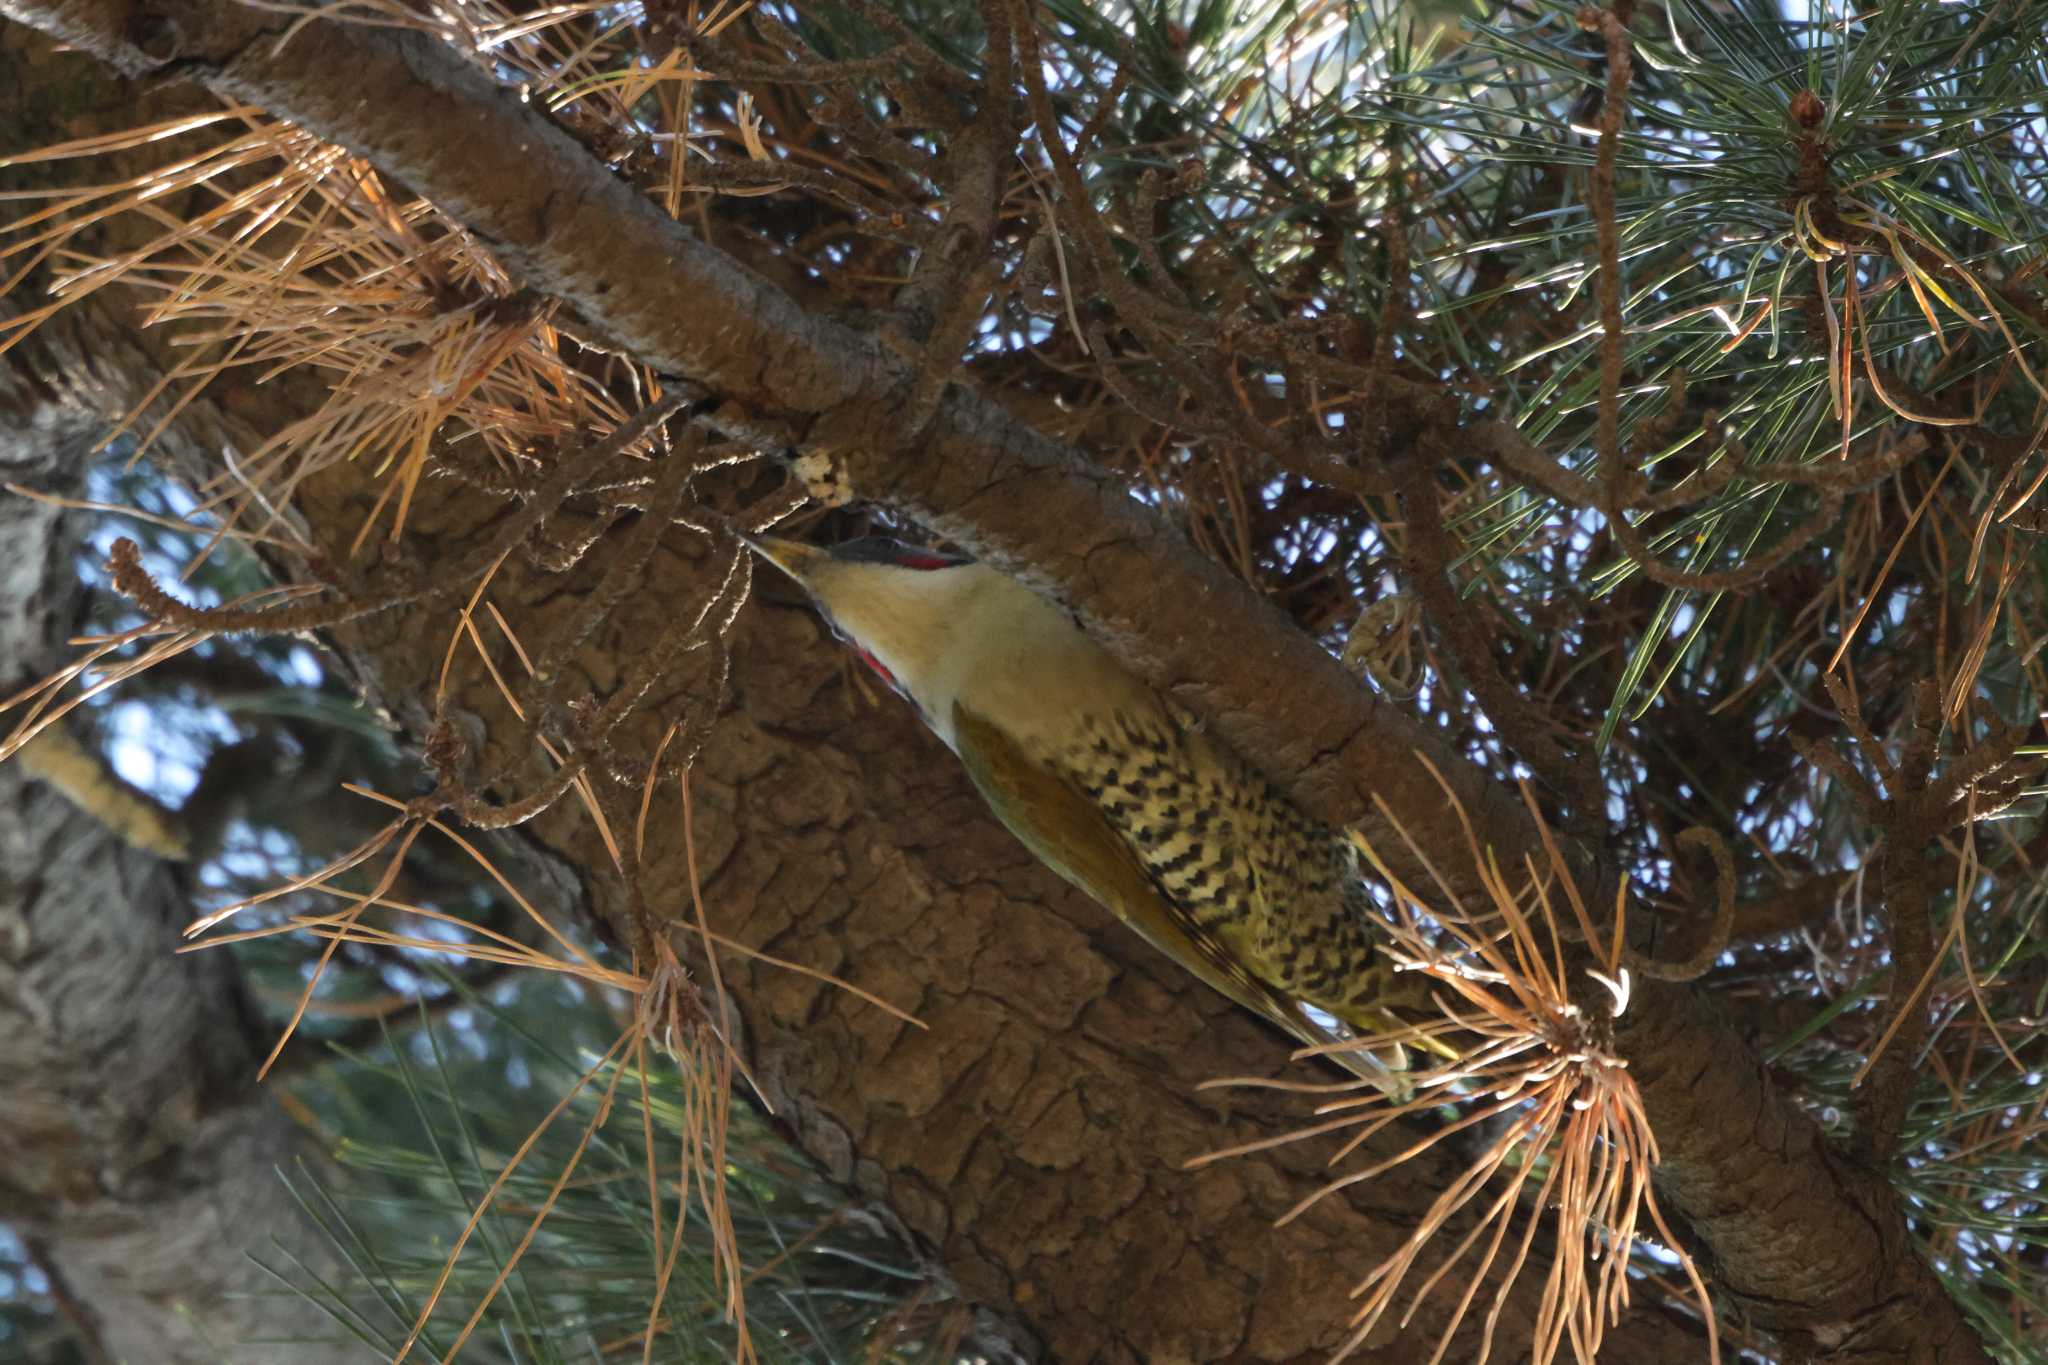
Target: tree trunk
1031, 1139
137, 1154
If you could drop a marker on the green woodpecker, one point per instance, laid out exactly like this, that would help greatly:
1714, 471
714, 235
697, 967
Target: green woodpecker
1117, 790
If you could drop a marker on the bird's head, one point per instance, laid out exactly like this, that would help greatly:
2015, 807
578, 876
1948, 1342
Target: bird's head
896, 604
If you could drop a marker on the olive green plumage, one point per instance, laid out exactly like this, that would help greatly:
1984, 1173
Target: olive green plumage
1119, 792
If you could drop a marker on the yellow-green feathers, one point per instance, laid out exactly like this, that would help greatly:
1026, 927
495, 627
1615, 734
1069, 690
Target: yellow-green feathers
1198, 854
1118, 792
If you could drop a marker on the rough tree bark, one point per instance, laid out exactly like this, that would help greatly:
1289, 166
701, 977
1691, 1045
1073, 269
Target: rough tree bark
1030, 1141
1820, 1278
137, 1154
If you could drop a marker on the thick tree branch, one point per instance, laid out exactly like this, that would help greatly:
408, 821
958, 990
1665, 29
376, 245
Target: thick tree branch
825, 831
640, 282
1030, 1141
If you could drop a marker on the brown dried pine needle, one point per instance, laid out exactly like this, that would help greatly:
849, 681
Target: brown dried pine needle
284, 254
670, 1013
1571, 1146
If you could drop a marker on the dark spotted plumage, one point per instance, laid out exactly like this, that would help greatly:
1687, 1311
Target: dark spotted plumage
1281, 893
1120, 793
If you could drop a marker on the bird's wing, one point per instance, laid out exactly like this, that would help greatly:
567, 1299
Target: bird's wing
1067, 832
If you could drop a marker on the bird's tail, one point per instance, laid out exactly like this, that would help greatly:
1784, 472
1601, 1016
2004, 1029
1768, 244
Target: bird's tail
1384, 1065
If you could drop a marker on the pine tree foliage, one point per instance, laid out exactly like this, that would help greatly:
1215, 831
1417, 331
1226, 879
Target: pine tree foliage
1651, 400
434, 1123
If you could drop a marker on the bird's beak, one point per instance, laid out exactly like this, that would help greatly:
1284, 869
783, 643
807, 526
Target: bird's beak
793, 557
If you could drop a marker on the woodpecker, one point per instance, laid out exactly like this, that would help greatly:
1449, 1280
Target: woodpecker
1118, 790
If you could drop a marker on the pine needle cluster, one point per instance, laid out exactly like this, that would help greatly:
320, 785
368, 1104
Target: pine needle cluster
1677, 371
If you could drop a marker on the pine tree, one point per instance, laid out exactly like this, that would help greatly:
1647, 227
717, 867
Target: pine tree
1592, 455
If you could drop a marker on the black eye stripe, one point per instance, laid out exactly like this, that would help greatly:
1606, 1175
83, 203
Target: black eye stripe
886, 550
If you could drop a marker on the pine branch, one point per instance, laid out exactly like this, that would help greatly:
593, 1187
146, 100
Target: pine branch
1766, 1194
